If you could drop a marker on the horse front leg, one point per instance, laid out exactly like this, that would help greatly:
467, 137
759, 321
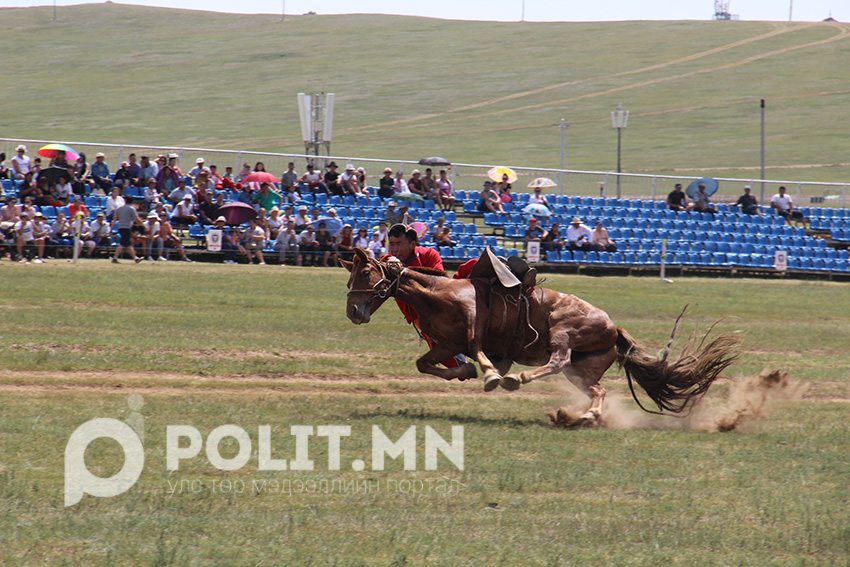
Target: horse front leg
427, 363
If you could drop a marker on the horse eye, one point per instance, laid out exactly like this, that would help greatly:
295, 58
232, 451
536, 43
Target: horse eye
365, 274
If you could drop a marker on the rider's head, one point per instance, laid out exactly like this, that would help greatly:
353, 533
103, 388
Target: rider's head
402, 241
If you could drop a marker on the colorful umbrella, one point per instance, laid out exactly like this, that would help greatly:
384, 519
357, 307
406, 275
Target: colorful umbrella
421, 229
237, 212
542, 182
50, 151
537, 210
710, 183
497, 172
259, 177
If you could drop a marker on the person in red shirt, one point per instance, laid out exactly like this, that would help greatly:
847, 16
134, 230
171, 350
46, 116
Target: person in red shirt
402, 243
76, 207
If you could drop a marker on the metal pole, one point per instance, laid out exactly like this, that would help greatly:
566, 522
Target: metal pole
619, 144
523, 10
762, 151
563, 155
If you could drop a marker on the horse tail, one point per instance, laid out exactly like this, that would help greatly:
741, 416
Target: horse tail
675, 385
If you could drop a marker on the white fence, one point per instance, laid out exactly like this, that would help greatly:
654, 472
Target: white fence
469, 177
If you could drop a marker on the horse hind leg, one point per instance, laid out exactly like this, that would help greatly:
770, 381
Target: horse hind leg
585, 372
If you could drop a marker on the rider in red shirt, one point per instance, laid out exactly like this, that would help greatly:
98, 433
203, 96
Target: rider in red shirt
402, 242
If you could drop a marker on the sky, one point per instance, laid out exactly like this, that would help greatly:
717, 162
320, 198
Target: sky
512, 10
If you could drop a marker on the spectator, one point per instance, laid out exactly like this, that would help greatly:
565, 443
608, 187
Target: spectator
135, 171
444, 238
286, 242
301, 219
169, 239
534, 232
784, 206
314, 214
489, 201
361, 240
313, 180
552, 240
181, 192
701, 202
76, 207
168, 180
114, 201
275, 223
4, 171
153, 237
579, 236
361, 180
10, 214
28, 186
326, 245
172, 163
308, 245
64, 233
431, 185
198, 169
416, 185
21, 164
400, 185
392, 216
24, 239
40, 232
383, 230
259, 166
82, 176
748, 203
601, 241
215, 177
203, 185
376, 248
385, 184
503, 188
184, 212
538, 198
676, 200
244, 194
332, 180
349, 182
266, 197
289, 183
244, 172
406, 214
64, 189
100, 173
229, 176
100, 229
227, 244
122, 176
152, 195
438, 228
263, 222
126, 218
344, 244
255, 241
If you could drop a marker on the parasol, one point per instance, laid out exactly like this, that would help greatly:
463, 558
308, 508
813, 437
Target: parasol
711, 186
332, 224
237, 212
259, 177
435, 161
497, 172
50, 151
537, 210
542, 182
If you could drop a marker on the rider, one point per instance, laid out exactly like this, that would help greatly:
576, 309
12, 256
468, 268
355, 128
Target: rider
402, 244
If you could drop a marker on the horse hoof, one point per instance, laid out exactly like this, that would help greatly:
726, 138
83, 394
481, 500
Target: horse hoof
510, 382
589, 419
492, 382
469, 370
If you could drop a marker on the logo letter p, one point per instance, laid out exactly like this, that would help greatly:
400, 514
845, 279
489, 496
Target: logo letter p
78, 479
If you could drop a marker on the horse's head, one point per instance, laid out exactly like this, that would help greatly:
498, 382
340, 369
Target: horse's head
368, 286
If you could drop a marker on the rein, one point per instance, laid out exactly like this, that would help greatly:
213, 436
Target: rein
380, 290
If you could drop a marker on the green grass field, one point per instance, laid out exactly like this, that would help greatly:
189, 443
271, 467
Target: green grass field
207, 345
475, 92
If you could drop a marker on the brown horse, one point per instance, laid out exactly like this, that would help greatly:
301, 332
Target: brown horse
559, 333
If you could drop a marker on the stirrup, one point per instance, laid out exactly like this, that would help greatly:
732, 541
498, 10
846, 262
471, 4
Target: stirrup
530, 278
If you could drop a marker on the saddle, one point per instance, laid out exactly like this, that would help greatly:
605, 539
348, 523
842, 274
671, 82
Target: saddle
510, 281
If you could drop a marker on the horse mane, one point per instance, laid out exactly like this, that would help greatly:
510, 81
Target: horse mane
429, 271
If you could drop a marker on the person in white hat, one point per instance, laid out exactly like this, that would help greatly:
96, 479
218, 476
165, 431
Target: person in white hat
579, 235
350, 182
24, 237
153, 237
100, 173
416, 185
21, 163
199, 167
184, 211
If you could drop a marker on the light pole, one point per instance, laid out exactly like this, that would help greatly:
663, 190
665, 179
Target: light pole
619, 120
762, 150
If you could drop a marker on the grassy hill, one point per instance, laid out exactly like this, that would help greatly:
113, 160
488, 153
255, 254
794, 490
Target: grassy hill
475, 92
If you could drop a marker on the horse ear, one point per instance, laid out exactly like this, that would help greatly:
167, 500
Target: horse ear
345, 264
361, 254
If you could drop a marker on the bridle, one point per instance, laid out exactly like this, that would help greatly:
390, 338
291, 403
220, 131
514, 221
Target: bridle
383, 288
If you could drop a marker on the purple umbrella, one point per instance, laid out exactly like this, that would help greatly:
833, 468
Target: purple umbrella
237, 213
